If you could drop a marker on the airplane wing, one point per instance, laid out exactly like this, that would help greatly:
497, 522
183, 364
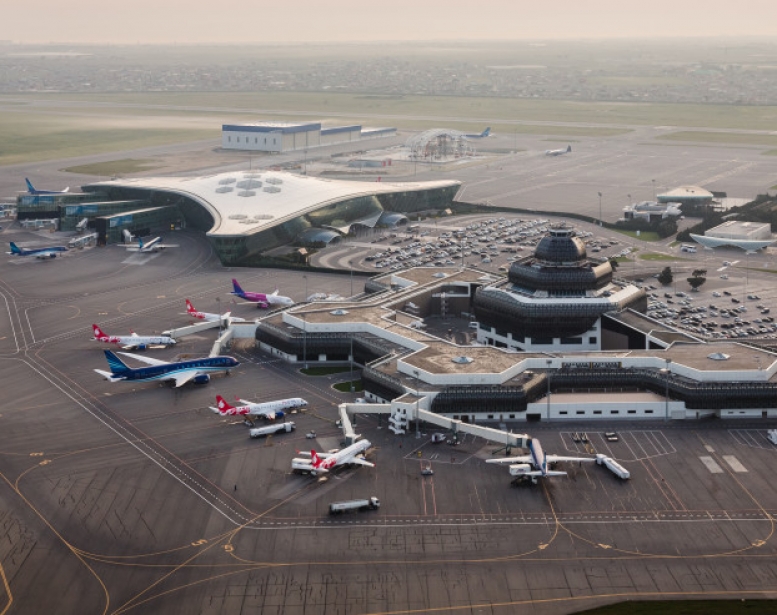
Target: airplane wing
361, 462
109, 376
510, 460
143, 359
181, 378
557, 458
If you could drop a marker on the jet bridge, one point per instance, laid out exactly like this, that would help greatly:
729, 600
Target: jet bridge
507, 439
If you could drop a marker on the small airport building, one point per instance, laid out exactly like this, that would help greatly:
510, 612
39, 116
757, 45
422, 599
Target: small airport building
281, 137
745, 235
651, 211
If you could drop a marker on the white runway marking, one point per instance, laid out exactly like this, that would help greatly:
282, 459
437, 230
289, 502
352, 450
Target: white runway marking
140, 259
734, 463
754, 438
711, 465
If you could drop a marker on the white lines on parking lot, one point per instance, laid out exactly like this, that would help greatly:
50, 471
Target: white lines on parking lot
632, 445
734, 463
754, 438
711, 464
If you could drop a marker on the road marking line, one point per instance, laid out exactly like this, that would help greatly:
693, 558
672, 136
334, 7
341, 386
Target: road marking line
711, 465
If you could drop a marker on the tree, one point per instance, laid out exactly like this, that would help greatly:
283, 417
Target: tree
614, 264
697, 278
665, 277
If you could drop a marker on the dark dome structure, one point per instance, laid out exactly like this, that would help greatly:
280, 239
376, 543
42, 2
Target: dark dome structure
557, 293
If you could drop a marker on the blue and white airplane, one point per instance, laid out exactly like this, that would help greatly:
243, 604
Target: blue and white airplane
180, 372
537, 463
48, 252
31, 189
152, 246
482, 135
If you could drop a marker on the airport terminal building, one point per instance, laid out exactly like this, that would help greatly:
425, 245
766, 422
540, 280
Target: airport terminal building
246, 214
289, 137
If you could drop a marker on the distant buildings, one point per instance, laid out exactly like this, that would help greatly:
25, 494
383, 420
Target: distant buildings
651, 211
288, 136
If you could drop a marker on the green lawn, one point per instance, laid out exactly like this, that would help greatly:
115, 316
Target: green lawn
325, 371
644, 235
345, 387
113, 167
720, 137
654, 256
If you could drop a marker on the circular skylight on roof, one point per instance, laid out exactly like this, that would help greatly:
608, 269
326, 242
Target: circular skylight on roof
227, 180
249, 184
719, 356
246, 193
238, 217
271, 189
439, 274
462, 360
224, 189
276, 181
263, 217
338, 312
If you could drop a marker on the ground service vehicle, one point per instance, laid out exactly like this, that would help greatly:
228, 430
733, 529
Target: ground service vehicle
336, 508
258, 432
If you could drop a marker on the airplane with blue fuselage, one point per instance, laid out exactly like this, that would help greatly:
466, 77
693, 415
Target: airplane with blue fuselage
537, 463
482, 135
152, 246
180, 372
32, 190
48, 252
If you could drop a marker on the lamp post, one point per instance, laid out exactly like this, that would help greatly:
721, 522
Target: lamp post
350, 266
600, 209
305, 329
666, 391
221, 319
417, 400
547, 377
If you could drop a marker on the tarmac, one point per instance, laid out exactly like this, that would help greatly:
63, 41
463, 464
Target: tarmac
122, 498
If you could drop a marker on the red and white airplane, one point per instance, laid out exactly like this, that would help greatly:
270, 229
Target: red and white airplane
269, 410
134, 341
323, 462
210, 316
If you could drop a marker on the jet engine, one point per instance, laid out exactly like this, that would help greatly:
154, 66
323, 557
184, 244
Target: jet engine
201, 379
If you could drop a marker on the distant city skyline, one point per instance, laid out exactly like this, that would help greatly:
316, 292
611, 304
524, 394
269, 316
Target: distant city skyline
259, 21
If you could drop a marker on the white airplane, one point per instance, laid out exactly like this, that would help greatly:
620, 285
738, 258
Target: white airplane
323, 462
152, 246
180, 372
558, 152
537, 463
269, 410
210, 316
134, 341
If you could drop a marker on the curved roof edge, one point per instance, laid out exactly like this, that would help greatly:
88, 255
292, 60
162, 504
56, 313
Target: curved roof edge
745, 244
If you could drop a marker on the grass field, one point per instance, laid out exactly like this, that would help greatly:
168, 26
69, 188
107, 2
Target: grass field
345, 387
771, 152
653, 256
643, 235
113, 167
324, 371
720, 137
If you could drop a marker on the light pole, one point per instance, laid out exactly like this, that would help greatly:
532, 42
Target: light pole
666, 392
221, 318
350, 266
547, 377
417, 400
305, 328
747, 273
600, 209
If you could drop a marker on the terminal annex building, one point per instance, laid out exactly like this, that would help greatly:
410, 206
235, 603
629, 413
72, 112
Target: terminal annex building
657, 372
248, 213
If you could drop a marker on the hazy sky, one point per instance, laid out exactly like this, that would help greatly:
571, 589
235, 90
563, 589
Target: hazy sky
224, 21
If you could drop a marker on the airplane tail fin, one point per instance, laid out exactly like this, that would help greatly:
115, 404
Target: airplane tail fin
115, 363
486, 132
30, 187
97, 332
15, 249
189, 307
223, 405
569, 148
140, 243
315, 460
236, 288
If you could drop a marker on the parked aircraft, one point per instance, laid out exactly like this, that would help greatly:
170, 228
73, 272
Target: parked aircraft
269, 410
485, 133
537, 463
210, 316
154, 245
262, 300
558, 152
134, 341
31, 189
48, 252
180, 372
323, 462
